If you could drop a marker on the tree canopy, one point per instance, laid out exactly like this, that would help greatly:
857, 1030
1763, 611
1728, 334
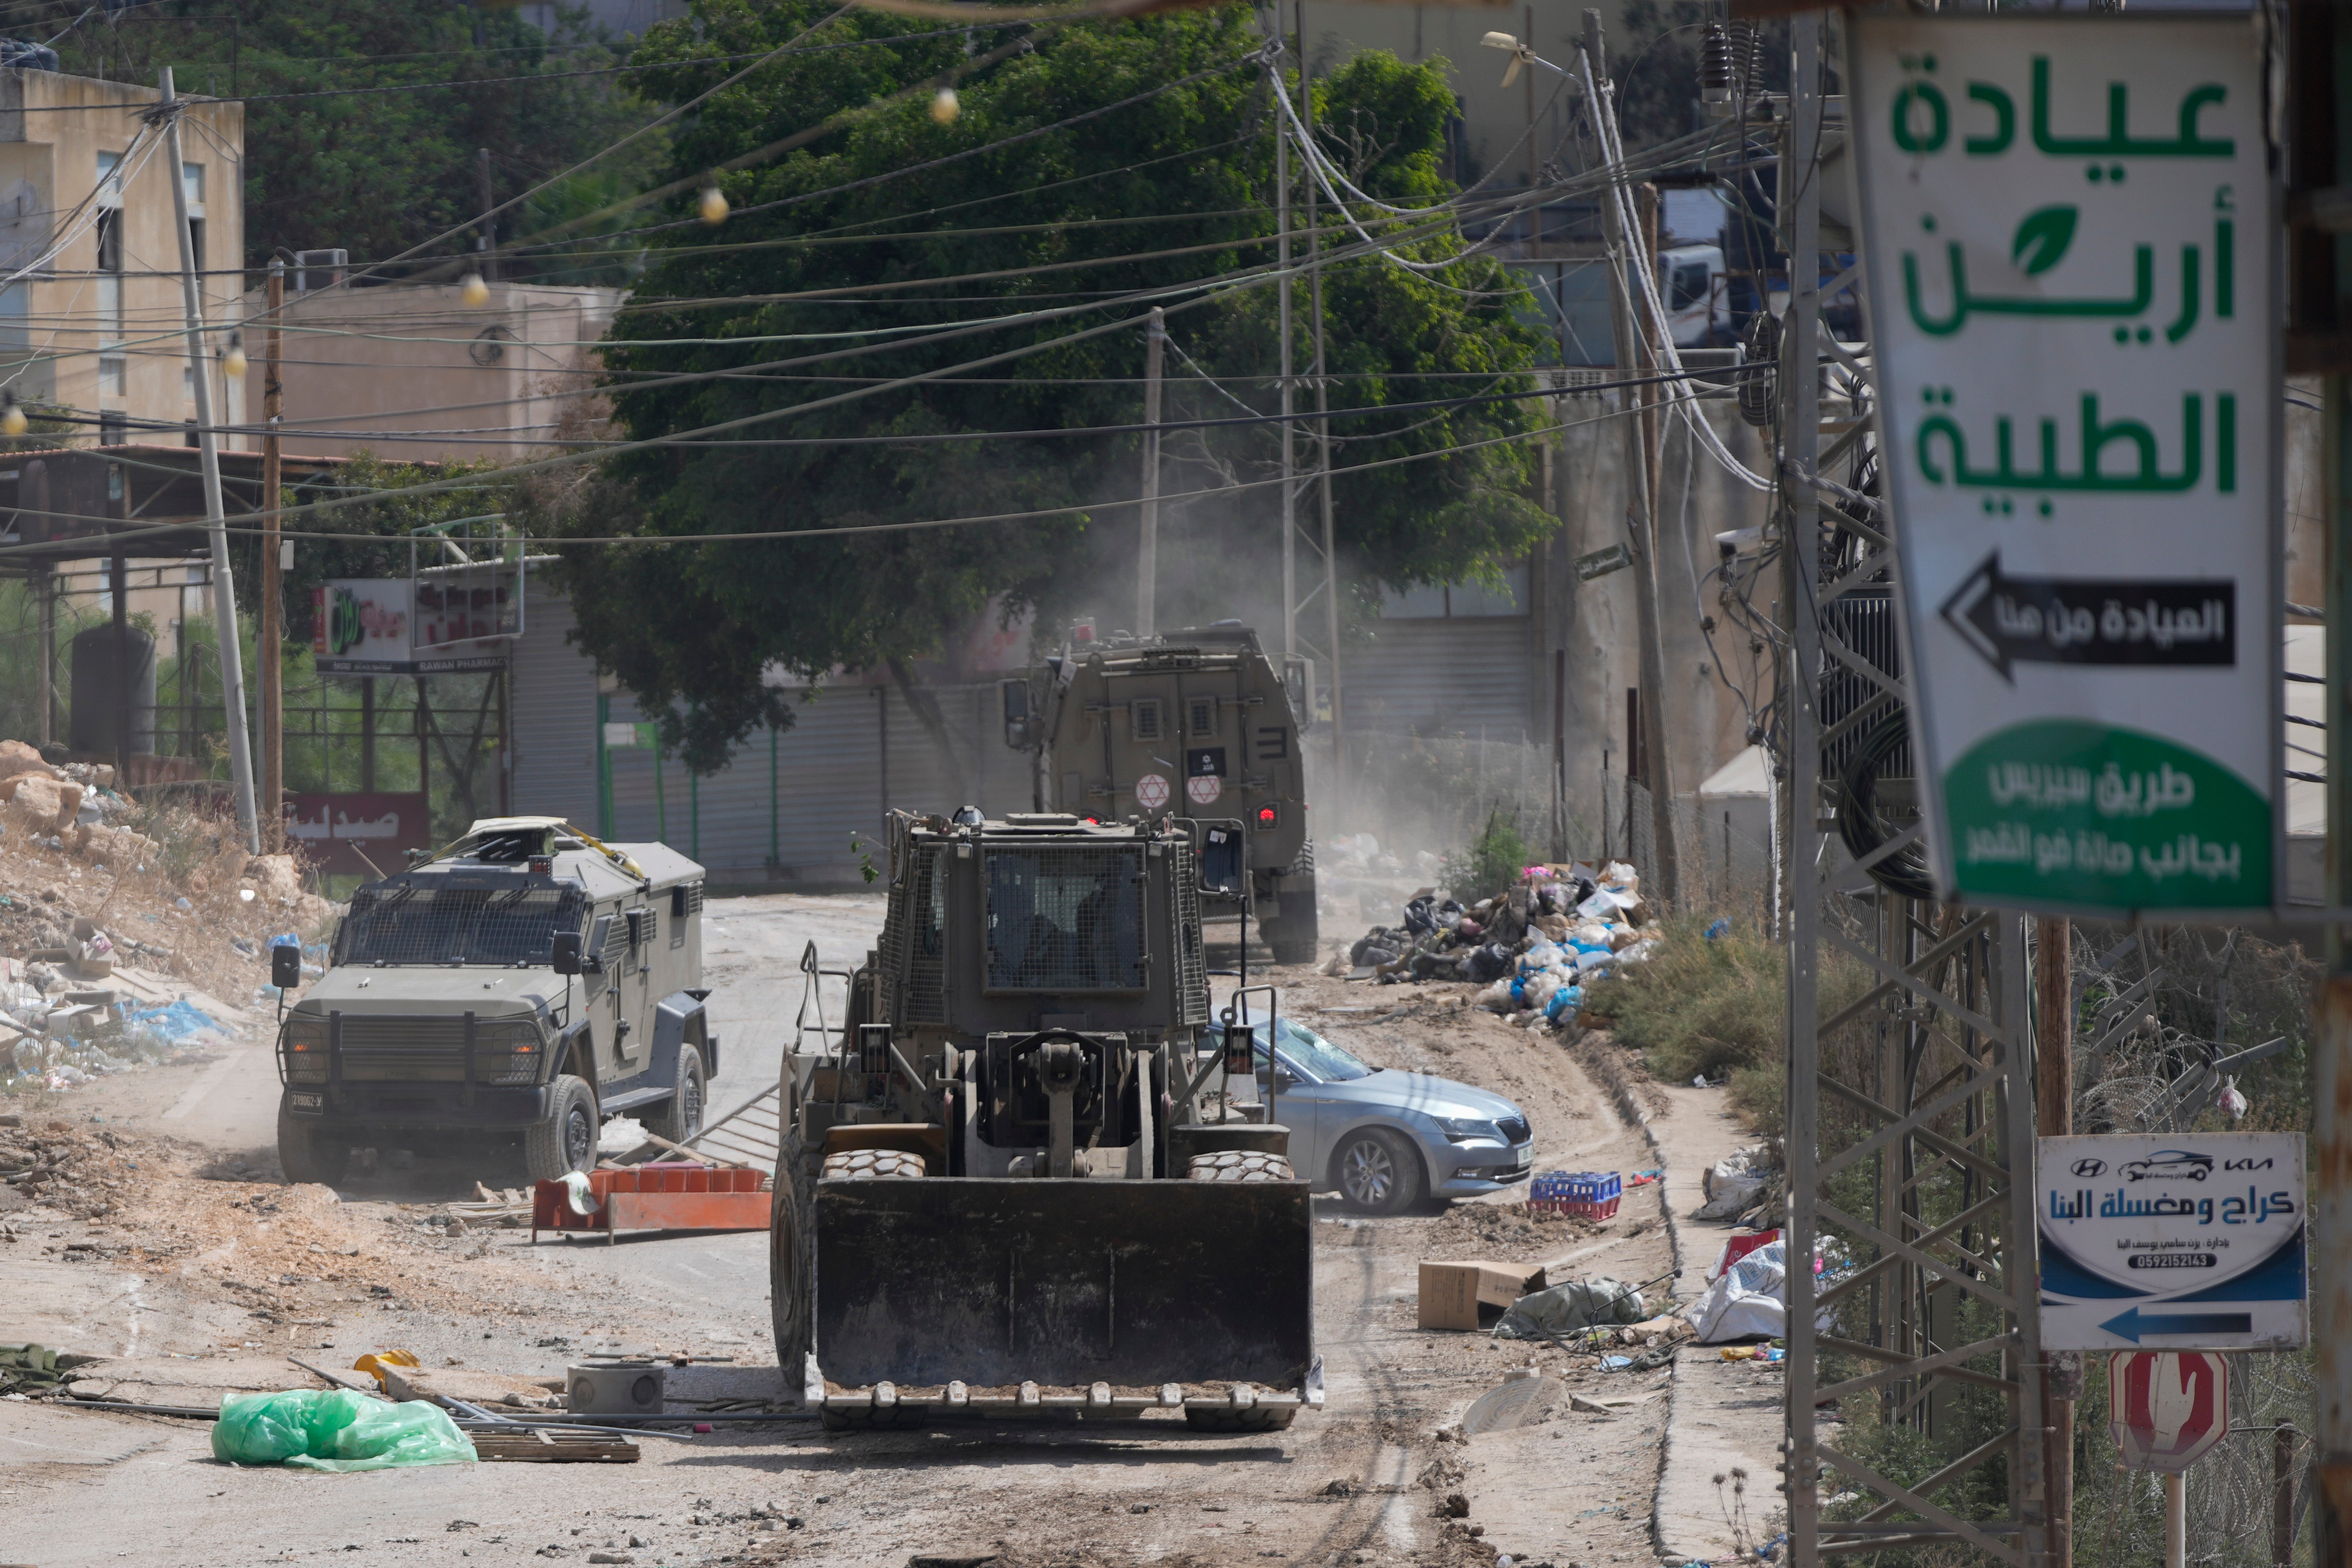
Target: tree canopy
795, 317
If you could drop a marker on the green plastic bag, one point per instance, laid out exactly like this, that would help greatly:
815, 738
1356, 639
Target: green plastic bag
336, 1429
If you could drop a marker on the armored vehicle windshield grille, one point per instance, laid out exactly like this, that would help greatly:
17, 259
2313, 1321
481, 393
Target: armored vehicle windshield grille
407, 923
925, 937
1066, 919
1192, 971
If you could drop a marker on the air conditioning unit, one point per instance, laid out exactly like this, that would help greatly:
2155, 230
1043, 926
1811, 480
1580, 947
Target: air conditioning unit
319, 268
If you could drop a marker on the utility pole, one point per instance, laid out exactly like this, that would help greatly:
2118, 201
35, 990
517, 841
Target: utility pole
1322, 448
269, 645
232, 656
2331, 1061
2053, 1117
1535, 159
1801, 556
1282, 289
487, 239
1147, 554
1641, 507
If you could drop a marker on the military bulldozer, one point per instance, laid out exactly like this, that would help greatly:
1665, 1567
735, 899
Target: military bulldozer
997, 1193
1197, 726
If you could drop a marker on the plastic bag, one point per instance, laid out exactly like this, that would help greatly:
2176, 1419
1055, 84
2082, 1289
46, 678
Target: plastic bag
1599, 1302
336, 1429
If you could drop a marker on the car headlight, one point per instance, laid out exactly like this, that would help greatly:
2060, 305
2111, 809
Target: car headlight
1470, 1129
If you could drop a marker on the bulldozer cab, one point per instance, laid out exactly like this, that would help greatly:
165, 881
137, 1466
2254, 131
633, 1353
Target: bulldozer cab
996, 1188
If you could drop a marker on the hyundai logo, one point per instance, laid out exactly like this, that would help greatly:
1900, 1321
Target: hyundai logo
2086, 1169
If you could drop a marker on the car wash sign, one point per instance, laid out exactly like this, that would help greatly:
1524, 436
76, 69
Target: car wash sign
2069, 233
2172, 1241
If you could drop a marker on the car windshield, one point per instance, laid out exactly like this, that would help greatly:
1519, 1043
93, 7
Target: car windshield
404, 923
1303, 1048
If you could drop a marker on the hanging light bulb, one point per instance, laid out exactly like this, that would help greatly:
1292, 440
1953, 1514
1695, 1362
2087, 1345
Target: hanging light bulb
472, 289
713, 207
12, 415
945, 105
232, 362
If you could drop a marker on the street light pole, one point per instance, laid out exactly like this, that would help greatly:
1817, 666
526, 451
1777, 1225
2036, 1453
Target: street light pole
1147, 554
232, 658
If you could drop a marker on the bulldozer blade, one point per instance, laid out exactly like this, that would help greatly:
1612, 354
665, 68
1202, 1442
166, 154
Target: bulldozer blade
994, 1282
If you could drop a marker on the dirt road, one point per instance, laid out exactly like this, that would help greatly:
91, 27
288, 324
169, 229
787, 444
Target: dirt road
200, 1279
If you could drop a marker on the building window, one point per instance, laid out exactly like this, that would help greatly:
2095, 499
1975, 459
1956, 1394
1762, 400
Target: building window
113, 376
114, 430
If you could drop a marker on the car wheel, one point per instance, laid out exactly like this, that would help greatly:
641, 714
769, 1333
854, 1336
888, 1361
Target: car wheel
1377, 1172
680, 1115
566, 1140
310, 1153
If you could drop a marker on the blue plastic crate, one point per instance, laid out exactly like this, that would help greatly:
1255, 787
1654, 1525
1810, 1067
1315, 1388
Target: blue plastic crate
1591, 1195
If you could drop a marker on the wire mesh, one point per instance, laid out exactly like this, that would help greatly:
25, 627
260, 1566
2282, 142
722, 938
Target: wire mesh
407, 923
1066, 919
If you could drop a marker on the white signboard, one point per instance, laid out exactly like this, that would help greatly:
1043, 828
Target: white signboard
2069, 230
2172, 1241
370, 626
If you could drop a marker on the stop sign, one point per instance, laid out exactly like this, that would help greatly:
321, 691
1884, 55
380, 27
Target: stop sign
2169, 1406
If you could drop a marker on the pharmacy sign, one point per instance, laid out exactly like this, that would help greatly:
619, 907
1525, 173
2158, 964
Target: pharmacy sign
2068, 230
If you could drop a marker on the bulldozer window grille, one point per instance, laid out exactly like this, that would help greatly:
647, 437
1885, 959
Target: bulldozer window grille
408, 924
927, 911
1191, 964
1146, 713
1065, 919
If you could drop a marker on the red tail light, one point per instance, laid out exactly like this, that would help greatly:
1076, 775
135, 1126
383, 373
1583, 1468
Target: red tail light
1266, 816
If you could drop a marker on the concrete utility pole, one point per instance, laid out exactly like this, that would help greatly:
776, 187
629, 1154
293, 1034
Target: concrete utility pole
1147, 552
2053, 1117
232, 656
270, 643
1322, 448
1632, 353
487, 240
1282, 290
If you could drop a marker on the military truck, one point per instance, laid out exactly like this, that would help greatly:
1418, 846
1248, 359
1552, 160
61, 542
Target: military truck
1195, 725
997, 1191
528, 980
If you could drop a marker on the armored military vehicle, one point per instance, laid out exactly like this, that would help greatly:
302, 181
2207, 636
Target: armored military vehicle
526, 980
997, 1190
1196, 726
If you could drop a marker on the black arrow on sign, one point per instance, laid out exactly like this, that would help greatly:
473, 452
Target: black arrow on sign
2167, 621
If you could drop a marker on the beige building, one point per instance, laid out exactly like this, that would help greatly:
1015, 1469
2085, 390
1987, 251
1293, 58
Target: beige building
412, 372
90, 306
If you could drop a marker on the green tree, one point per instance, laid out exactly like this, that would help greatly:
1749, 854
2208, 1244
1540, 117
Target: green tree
377, 172
1168, 192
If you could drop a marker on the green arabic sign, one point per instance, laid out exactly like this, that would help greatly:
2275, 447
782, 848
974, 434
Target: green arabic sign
2068, 228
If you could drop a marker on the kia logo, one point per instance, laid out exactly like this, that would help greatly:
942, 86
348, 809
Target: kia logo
2086, 1169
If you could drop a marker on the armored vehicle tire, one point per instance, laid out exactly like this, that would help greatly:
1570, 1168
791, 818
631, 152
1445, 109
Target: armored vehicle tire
566, 1140
1239, 1166
680, 1115
788, 1269
873, 1166
1294, 938
1256, 1419
310, 1153
1377, 1172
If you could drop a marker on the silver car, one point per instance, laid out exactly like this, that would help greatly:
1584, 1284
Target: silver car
1385, 1140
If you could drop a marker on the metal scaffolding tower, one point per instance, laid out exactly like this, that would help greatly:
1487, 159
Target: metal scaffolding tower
1910, 1127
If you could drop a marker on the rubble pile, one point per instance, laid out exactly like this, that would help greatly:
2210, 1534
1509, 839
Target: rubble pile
122, 946
1531, 946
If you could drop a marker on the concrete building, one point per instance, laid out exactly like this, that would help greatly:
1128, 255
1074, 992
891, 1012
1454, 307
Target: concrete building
413, 372
90, 309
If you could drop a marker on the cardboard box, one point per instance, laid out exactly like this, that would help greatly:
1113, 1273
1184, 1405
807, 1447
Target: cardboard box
1452, 1293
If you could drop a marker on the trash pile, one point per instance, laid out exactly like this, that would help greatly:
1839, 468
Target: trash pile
1533, 946
85, 1171
62, 1024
